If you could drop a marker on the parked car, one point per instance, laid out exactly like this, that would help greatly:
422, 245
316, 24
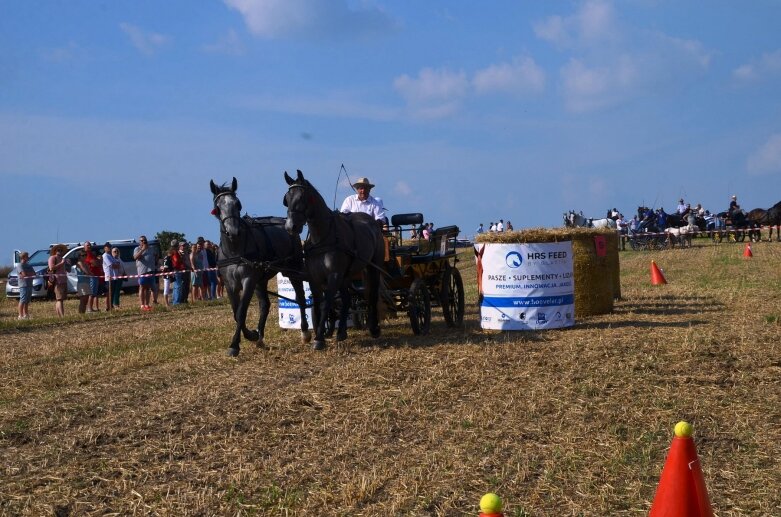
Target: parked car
39, 261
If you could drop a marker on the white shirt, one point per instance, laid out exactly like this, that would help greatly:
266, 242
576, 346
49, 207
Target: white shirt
371, 205
499, 227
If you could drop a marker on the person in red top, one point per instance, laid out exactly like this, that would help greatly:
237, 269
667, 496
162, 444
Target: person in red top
178, 265
95, 266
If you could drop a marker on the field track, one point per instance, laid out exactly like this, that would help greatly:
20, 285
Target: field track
126, 413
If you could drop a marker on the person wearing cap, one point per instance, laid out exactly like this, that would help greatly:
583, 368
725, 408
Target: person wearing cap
681, 209
733, 204
363, 201
59, 276
146, 264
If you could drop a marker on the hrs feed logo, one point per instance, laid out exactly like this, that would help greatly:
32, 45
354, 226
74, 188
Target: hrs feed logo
513, 260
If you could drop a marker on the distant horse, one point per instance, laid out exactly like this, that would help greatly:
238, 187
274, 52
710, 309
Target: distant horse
770, 217
575, 220
339, 246
251, 252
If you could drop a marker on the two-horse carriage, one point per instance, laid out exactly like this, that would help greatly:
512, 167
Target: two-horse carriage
350, 264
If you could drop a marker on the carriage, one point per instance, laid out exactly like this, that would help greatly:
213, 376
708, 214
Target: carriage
420, 274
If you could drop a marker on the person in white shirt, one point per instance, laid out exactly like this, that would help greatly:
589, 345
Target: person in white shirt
681, 206
500, 225
364, 202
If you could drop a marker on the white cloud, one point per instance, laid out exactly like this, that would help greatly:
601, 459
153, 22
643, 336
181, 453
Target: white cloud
69, 52
229, 44
767, 158
768, 64
335, 105
403, 189
594, 23
521, 76
145, 41
587, 88
310, 18
434, 93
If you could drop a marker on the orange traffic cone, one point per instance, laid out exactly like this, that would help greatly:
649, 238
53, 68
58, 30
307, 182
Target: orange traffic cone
491, 505
681, 490
747, 252
657, 277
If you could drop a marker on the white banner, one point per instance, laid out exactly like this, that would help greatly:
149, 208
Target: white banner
526, 286
289, 313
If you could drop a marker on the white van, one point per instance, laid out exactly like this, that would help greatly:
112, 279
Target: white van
39, 261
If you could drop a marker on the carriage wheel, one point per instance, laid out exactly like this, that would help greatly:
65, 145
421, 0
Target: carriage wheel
452, 297
716, 236
419, 307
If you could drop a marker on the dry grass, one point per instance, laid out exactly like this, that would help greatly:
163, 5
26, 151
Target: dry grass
145, 414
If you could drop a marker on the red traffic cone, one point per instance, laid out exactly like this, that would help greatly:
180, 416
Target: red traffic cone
747, 252
657, 278
491, 505
681, 491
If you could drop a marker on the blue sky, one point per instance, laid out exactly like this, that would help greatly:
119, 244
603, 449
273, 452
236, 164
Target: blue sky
115, 115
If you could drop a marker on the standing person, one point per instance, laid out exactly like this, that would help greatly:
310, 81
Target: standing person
509, 226
178, 265
168, 273
205, 291
25, 273
109, 264
480, 229
146, 262
95, 266
59, 276
500, 225
211, 262
196, 259
184, 252
492, 227
117, 277
83, 290
363, 201
681, 209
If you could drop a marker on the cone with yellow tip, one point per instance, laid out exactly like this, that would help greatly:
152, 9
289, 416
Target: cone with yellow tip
491, 505
681, 490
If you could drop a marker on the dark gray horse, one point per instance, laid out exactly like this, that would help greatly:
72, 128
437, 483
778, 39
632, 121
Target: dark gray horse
339, 246
251, 252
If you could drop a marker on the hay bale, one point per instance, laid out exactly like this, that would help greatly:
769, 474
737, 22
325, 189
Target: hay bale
597, 279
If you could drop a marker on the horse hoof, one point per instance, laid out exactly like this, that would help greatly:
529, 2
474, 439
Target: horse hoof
318, 345
306, 337
252, 335
341, 335
233, 352
261, 344
375, 333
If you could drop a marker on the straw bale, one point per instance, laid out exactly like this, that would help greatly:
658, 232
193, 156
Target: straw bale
597, 279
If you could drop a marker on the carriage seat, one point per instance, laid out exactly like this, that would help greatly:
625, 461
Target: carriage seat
442, 244
412, 220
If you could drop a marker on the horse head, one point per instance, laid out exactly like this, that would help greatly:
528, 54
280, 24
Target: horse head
301, 202
227, 208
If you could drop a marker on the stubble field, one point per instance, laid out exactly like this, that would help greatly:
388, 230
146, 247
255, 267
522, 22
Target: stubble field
131, 413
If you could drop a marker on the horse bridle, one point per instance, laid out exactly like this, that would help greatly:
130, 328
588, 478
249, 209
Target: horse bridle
231, 216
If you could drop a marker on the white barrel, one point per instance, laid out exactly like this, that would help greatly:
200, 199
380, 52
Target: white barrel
289, 313
526, 286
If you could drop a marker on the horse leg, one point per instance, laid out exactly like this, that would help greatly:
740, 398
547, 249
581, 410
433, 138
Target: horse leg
233, 296
344, 294
261, 291
248, 289
373, 296
319, 307
298, 287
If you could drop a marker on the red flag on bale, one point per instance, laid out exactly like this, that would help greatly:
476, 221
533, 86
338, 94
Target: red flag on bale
682, 491
657, 277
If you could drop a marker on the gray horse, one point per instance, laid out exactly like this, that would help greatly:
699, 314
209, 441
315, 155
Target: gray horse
339, 247
251, 252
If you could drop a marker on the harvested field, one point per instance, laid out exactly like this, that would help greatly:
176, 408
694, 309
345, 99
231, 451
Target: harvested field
128, 413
